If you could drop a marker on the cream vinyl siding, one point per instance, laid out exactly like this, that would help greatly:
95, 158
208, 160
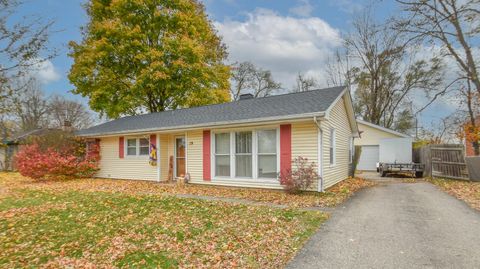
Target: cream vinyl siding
305, 144
194, 141
338, 120
164, 156
171, 147
130, 167
371, 136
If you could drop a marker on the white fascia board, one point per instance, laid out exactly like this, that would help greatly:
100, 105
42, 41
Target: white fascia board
382, 128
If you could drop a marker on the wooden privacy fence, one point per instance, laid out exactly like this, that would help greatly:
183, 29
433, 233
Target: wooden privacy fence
443, 160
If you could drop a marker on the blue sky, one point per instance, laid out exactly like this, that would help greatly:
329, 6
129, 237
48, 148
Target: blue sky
283, 36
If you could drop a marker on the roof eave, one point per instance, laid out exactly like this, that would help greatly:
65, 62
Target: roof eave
208, 125
383, 129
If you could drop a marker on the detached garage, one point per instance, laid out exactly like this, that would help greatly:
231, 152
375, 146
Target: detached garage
370, 137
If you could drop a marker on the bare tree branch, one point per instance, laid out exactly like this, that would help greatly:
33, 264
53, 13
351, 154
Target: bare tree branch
247, 78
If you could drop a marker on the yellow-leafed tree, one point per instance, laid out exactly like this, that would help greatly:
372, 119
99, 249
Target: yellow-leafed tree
141, 56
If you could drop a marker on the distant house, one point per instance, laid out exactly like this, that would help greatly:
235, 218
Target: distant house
371, 134
244, 143
3, 154
10, 146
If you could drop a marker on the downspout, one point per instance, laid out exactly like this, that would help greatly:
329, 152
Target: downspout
159, 173
320, 147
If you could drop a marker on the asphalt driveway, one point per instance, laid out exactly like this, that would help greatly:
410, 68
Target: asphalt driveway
396, 225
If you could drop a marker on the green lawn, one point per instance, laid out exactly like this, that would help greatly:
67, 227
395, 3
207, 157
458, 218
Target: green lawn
80, 228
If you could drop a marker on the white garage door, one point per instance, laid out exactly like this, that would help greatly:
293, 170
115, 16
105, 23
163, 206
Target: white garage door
368, 158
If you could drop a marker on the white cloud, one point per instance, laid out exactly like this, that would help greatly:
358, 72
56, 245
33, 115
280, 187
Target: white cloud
304, 9
45, 72
347, 6
283, 44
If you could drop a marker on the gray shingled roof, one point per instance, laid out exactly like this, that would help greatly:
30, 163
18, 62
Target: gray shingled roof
19, 138
277, 106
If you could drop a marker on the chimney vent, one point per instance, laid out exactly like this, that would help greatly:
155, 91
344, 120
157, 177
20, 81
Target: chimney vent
67, 126
246, 96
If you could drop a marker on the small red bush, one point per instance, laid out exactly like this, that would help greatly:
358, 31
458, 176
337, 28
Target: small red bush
300, 178
67, 161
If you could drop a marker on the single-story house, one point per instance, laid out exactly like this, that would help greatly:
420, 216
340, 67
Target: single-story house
10, 146
371, 135
3, 156
244, 143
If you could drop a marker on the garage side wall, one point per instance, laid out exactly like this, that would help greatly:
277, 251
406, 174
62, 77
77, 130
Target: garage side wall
338, 120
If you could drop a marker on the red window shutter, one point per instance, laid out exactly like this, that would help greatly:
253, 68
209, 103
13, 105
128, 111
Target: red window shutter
97, 144
153, 140
93, 147
121, 147
285, 148
206, 155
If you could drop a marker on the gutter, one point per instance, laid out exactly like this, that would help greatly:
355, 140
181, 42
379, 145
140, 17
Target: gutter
320, 148
317, 122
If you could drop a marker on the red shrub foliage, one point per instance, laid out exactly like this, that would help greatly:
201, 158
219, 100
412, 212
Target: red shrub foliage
300, 178
67, 159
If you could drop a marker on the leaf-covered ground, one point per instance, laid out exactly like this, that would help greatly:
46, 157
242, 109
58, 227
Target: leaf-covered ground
463, 190
107, 224
331, 197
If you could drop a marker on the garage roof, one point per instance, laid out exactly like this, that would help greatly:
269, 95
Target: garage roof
383, 128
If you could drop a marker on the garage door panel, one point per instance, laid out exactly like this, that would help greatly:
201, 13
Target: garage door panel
368, 158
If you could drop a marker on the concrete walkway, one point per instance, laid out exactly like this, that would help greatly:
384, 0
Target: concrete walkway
248, 202
374, 176
396, 225
229, 200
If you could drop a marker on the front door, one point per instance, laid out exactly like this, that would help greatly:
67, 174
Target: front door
180, 156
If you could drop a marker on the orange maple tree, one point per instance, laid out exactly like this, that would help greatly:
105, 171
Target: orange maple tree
471, 134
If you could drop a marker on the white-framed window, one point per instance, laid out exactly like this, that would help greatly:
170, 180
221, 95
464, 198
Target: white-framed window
144, 146
243, 154
249, 154
137, 146
267, 153
332, 146
131, 147
222, 154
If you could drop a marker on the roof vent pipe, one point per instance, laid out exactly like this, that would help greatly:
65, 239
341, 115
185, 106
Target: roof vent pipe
246, 96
